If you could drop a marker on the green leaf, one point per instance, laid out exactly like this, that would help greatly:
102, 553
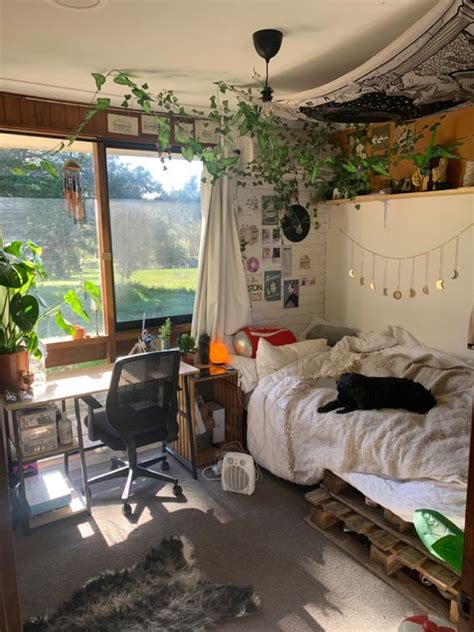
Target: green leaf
64, 324
99, 80
102, 103
71, 298
32, 342
357, 207
48, 166
431, 526
17, 171
380, 169
122, 80
187, 153
24, 311
13, 275
450, 548
349, 167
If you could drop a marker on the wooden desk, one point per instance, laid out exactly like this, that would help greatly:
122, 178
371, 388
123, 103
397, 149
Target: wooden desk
74, 385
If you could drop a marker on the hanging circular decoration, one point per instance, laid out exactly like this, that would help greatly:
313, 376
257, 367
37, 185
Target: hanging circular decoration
351, 273
455, 274
296, 223
397, 295
412, 293
439, 284
426, 290
372, 286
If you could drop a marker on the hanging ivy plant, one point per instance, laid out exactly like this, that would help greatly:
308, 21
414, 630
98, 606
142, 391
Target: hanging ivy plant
289, 156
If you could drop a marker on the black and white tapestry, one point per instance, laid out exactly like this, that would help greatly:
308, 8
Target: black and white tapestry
429, 69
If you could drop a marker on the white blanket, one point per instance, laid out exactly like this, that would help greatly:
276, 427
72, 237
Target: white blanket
289, 437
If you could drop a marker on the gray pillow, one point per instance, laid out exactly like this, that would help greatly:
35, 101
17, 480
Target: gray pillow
331, 333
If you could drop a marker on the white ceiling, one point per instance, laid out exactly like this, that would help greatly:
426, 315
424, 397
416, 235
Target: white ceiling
186, 45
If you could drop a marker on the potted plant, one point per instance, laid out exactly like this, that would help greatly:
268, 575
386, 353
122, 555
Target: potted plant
23, 310
429, 159
164, 334
187, 346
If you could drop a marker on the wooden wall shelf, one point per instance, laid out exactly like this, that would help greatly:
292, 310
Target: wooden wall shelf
384, 197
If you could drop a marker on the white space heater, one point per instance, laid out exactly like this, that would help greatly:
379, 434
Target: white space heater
238, 473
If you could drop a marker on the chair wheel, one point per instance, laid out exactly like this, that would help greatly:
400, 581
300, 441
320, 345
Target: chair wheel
177, 490
165, 466
127, 510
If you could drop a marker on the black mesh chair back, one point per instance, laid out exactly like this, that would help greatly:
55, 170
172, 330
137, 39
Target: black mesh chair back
142, 400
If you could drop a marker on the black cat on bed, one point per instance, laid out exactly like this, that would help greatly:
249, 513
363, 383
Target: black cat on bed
361, 392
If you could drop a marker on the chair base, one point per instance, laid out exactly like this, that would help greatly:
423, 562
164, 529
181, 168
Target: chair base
121, 468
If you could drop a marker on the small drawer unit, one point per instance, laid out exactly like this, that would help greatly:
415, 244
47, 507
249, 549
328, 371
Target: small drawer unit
38, 430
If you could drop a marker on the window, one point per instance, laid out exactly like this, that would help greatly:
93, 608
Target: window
33, 207
155, 218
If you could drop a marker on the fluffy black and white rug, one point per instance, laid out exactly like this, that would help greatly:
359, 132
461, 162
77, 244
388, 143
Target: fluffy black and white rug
165, 592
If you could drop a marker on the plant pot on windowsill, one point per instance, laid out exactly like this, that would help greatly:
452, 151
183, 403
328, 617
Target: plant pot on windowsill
13, 368
188, 357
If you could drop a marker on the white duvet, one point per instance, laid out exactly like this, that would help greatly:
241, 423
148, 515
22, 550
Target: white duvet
290, 438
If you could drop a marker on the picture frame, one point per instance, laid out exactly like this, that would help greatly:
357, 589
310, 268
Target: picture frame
183, 131
381, 137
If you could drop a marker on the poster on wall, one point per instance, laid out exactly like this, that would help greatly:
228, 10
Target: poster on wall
291, 293
253, 264
266, 236
304, 263
249, 234
205, 132
276, 255
119, 124
266, 253
273, 285
255, 287
286, 260
269, 211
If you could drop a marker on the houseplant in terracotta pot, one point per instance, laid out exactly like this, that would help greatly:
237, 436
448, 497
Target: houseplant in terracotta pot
22, 310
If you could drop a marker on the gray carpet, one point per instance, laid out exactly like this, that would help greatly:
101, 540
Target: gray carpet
306, 584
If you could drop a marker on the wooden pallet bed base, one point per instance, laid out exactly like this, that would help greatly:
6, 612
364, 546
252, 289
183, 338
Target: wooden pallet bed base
384, 544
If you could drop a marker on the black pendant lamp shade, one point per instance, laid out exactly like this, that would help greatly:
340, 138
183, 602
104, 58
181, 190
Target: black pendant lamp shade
267, 43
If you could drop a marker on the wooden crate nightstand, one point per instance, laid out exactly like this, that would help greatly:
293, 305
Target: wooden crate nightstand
220, 385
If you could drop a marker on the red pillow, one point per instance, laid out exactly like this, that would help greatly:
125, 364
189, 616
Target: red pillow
246, 340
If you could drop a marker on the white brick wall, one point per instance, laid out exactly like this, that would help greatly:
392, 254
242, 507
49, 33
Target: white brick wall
311, 297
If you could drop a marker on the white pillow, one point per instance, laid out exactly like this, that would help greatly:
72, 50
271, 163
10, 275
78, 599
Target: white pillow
270, 358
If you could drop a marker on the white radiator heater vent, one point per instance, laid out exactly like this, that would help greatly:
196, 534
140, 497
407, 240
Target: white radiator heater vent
238, 473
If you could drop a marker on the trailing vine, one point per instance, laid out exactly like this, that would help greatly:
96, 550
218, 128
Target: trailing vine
289, 156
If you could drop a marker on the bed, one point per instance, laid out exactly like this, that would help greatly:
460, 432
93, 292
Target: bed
400, 460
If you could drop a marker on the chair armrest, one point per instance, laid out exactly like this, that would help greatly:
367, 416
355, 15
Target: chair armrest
91, 401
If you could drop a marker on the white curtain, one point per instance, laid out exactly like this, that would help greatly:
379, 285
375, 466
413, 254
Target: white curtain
222, 304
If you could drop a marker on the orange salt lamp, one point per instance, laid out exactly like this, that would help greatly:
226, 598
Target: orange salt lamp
218, 353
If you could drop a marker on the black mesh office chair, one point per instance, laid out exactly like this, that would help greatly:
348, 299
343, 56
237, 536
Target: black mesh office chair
141, 408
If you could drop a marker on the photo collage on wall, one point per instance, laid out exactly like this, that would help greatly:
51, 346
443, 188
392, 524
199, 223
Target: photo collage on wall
277, 263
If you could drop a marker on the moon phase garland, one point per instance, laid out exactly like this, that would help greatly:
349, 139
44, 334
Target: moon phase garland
440, 282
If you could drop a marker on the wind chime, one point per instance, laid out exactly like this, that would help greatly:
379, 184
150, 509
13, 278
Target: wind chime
73, 194
426, 256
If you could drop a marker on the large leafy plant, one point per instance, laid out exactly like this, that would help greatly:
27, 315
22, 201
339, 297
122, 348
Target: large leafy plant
422, 159
441, 537
22, 308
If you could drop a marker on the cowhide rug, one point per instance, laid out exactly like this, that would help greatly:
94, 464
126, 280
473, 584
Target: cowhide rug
165, 592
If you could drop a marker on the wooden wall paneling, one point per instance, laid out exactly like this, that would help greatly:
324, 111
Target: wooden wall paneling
12, 109
467, 579
105, 246
67, 352
58, 116
2, 110
10, 620
43, 115
73, 117
28, 112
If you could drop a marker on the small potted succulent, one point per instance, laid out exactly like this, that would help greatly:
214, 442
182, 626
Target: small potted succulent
187, 346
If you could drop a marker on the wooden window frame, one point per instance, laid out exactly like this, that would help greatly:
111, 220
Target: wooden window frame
34, 116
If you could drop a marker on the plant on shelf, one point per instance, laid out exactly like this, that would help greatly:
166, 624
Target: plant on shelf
164, 333
22, 311
187, 343
424, 160
441, 537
